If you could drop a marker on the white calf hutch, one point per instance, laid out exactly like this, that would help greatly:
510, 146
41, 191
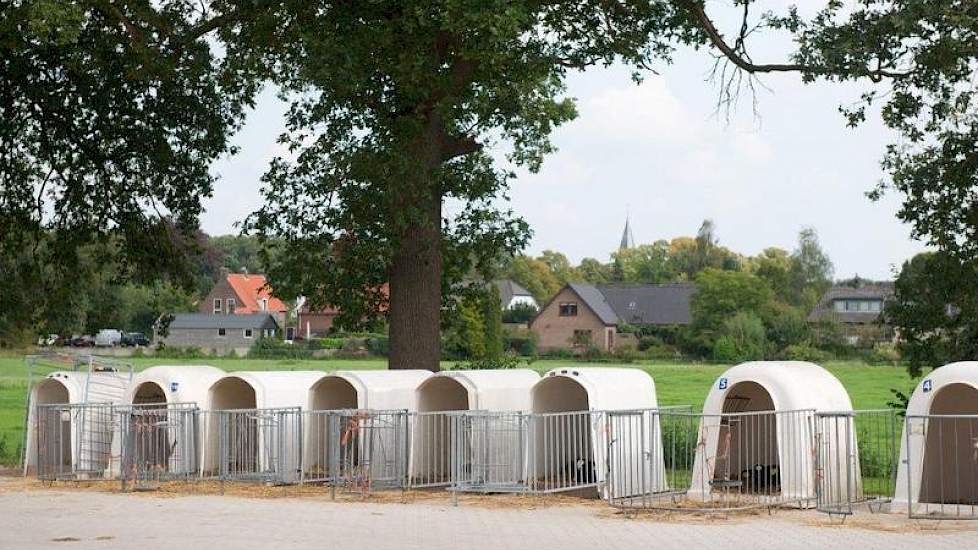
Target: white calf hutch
255, 427
159, 432
447, 445
938, 468
585, 420
70, 422
756, 441
357, 430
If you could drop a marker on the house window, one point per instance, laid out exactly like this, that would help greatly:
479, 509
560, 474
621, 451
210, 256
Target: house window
290, 333
248, 333
264, 304
631, 305
582, 338
568, 309
232, 304
217, 305
222, 332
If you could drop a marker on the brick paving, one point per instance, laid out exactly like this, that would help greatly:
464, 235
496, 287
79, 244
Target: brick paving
80, 520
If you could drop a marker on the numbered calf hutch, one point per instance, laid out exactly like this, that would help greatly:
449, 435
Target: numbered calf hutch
757, 441
938, 468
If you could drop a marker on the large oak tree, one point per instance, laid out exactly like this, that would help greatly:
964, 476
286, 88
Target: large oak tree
111, 112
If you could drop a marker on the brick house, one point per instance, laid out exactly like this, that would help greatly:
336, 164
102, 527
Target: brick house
858, 311
221, 333
314, 324
243, 294
582, 315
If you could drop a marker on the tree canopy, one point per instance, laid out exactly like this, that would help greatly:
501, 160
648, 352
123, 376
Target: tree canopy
112, 112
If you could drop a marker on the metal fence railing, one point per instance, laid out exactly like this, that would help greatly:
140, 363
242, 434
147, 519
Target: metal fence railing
74, 442
356, 450
262, 445
713, 462
158, 442
430, 462
942, 466
856, 456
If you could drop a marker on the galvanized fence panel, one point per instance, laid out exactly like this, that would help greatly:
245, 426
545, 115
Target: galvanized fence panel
714, 462
158, 442
430, 461
357, 450
942, 466
567, 451
489, 451
856, 455
262, 445
74, 441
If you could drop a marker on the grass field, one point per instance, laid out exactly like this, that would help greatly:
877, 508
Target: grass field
676, 384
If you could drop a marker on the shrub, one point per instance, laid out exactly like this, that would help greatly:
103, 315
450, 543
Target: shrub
520, 344
520, 313
379, 346
742, 338
884, 354
803, 352
504, 361
788, 327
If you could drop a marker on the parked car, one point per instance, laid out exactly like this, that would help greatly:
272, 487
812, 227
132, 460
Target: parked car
108, 337
81, 341
132, 339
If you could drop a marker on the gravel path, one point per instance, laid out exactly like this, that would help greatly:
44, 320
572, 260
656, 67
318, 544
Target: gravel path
52, 518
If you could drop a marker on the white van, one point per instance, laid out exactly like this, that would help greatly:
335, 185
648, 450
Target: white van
108, 338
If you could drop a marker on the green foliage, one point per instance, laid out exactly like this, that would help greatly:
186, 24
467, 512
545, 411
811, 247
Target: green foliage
521, 344
466, 334
803, 352
647, 263
379, 346
935, 311
721, 295
742, 338
787, 326
502, 361
492, 319
519, 313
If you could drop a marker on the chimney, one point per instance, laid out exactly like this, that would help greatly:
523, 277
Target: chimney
224, 273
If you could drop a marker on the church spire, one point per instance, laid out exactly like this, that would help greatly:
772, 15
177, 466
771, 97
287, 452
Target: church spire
627, 239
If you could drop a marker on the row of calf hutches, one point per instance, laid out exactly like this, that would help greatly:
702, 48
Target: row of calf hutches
774, 405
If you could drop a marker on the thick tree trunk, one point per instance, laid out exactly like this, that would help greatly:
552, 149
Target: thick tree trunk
415, 290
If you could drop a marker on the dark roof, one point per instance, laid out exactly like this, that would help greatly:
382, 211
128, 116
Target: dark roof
205, 321
824, 310
595, 300
509, 288
638, 304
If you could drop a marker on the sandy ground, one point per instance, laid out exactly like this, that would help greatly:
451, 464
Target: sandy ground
33, 515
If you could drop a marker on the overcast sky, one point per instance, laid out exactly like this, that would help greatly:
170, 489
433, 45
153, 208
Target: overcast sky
661, 152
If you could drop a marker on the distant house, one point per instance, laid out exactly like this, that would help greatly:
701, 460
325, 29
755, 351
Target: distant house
315, 323
512, 294
243, 294
858, 310
218, 332
590, 315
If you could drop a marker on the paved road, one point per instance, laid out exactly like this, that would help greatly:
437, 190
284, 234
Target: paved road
80, 520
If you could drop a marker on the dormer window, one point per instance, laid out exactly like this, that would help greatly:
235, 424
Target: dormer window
263, 304
631, 306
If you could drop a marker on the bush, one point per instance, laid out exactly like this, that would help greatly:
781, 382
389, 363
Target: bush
520, 313
379, 346
803, 352
176, 352
504, 361
520, 344
788, 327
884, 354
742, 338
558, 353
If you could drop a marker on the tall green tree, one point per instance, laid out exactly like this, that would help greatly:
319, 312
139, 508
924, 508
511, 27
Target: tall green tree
811, 269
722, 294
935, 311
647, 263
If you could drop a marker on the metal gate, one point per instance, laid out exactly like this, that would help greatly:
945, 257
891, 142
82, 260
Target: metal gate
855, 459
260, 445
942, 466
74, 442
711, 462
357, 450
159, 442
489, 451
